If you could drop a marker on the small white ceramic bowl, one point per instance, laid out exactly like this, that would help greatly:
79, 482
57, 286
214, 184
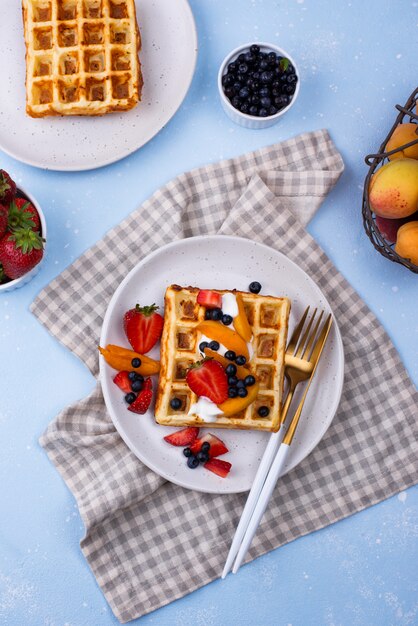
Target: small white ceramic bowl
19, 282
251, 121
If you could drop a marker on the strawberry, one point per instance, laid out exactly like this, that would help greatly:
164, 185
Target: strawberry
209, 299
122, 381
208, 378
219, 467
20, 251
142, 402
143, 327
182, 437
148, 384
7, 188
3, 220
22, 214
3, 276
217, 447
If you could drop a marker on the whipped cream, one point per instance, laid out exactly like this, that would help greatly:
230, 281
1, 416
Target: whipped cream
229, 305
205, 409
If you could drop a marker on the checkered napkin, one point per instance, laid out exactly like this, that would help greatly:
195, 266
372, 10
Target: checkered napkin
148, 541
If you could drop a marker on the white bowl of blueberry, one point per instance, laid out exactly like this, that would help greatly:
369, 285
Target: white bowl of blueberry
257, 84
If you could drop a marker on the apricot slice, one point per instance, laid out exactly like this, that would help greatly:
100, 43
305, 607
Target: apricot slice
242, 371
241, 324
229, 338
232, 406
120, 359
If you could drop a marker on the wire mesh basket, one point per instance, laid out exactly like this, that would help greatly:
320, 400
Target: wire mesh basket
407, 113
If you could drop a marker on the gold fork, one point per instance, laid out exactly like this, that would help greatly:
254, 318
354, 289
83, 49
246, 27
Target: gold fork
310, 349
297, 368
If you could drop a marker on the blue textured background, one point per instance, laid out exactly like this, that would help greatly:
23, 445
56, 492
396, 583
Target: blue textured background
357, 60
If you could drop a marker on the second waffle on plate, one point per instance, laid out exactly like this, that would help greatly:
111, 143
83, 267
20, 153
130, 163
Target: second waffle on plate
185, 328
81, 56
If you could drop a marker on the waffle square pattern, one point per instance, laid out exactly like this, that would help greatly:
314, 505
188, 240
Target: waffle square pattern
268, 317
81, 56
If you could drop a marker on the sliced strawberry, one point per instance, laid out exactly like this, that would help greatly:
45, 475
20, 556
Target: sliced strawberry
182, 437
208, 378
142, 402
122, 381
143, 327
148, 383
209, 299
217, 447
219, 467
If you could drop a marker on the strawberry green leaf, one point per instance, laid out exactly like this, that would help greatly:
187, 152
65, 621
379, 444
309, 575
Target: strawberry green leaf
27, 240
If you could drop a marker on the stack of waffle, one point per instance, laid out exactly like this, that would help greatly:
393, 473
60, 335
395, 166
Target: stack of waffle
268, 317
81, 56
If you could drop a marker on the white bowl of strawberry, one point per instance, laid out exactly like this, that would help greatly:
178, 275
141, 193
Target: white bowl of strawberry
22, 235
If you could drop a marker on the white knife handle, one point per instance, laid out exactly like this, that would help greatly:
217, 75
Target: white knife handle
269, 485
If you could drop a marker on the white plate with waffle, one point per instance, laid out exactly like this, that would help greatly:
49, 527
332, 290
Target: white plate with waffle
82, 62
229, 263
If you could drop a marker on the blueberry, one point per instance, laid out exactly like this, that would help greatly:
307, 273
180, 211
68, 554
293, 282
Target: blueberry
132, 376
249, 57
242, 78
205, 447
256, 85
264, 92
272, 57
230, 355
137, 385
208, 314
276, 84
232, 392
281, 101
229, 92
136, 362
266, 77
263, 411
273, 110
187, 452
290, 69
242, 392
232, 67
232, 381
255, 99
290, 89
249, 381
175, 404
276, 91
240, 360
256, 75
227, 319
231, 369
235, 103
192, 462
263, 112
203, 345
255, 49
240, 384
241, 57
250, 83
292, 78
130, 397
214, 345
255, 287
245, 107
262, 55
253, 110
217, 314
283, 78
227, 80
244, 92
266, 102
243, 68
202, 457
264, 64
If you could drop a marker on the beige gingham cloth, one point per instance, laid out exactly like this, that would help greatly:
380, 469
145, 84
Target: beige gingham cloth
148, 541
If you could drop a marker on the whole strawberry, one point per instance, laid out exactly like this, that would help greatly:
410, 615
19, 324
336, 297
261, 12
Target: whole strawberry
7, 188
20, 251
143, 327
3, 220
22, 214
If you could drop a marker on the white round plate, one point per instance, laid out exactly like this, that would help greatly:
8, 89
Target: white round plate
71, 143
227, 263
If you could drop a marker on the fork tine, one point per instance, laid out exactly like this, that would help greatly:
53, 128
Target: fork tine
307, 349
305, 335
296, 333
321, 340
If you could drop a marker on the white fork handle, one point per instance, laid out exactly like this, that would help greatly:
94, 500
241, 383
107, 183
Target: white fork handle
265, 463
269, 485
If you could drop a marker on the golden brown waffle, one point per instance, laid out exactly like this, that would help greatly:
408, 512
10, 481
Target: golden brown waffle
268, 317
81, 56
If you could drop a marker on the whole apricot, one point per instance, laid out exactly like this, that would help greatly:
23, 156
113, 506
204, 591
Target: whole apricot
393, 190
407, 242
403, 133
